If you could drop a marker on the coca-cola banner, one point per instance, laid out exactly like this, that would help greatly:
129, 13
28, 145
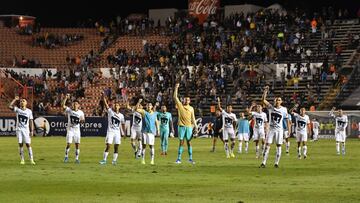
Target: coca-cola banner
203, 8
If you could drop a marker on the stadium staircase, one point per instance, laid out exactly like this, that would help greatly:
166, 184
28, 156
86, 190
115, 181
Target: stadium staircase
14, 44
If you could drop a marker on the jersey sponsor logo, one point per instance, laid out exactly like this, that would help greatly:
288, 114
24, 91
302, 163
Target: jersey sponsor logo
74, 120
115, 121
23, 120
276, 117
301, 124
341, 124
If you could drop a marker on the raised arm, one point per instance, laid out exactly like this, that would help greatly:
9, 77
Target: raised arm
11, 105
63, 103
332, 112
219, 104
105, 102
263, 98
137, 106
294, 108
175, 95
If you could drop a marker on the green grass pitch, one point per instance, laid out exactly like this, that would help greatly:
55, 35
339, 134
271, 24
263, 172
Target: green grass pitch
323, 177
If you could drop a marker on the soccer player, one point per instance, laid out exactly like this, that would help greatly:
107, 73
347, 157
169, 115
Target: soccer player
228, 118
277, 114
24, 127
287, 127
186, 122
150, 128
218, 128
75, 117
243, 133
166, 123
259, 128
341, 121
114, 132
316, 126
302, 131
135, 132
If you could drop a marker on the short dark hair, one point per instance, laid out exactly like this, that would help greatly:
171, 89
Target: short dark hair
76, 101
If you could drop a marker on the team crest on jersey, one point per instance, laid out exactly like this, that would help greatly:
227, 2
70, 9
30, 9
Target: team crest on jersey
164, 120
341, 124
301, 124
137, 119
23, 119
74, 120
259, 121
115, 121
276, 117
228, 120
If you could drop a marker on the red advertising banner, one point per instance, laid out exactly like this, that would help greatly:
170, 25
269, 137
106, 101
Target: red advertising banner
203, 8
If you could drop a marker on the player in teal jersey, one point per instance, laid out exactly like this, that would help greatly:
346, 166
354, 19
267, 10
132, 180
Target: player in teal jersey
166, 123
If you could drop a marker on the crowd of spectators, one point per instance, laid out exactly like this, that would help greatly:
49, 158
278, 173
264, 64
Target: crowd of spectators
50, 41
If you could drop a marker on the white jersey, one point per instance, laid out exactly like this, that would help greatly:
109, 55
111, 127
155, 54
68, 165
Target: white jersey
22, 119
137, 121
316, 125
114, 120
301, 123
228, 119
276, 117
74, 118
260, 119
341, 123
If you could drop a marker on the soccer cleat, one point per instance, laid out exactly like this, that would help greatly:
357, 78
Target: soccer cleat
228, 156
213, 150
192, 161
232, 155
257, 156
165, 153
143, 161
22, 162
66, 160
305, 156
178, 161
287, 153
102, 162
262, 166
77, 161
276, 165
152, 162
299, 156
162, 153
114, 163
32, 162
239, 152
337, 153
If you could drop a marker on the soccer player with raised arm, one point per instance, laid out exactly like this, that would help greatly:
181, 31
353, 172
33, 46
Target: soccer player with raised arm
114, 132
277, 114
341, 121
150, 128
228, 120
186, 122
135, 132
75, 117
302, 130
261, 122
166, 123
24, 127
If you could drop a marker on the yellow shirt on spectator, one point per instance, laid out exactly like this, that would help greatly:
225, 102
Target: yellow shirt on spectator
185, 113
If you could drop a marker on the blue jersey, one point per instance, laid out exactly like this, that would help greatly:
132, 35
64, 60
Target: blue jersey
285, 122
243, 126
164, 119
149, 125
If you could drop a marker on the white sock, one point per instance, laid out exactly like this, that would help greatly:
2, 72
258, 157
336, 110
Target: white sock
343, 147
67, 152
21, 151
246, 147
140, 147
278, 155
226, 148
30, 154
232, 147
152, 153
106, 155
299, 151
115, 156
240, 147
266, 154
287, 146
77, 152
257, 150
262, 148
338, 147
143, 153
305, 150
133, 145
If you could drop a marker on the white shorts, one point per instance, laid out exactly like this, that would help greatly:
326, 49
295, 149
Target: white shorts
243, 136
135, 134
301, 137
23, 137
148, 138
228, 133
113, 137
259, 133
276, 135
286, 134
340, 136
73, 135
